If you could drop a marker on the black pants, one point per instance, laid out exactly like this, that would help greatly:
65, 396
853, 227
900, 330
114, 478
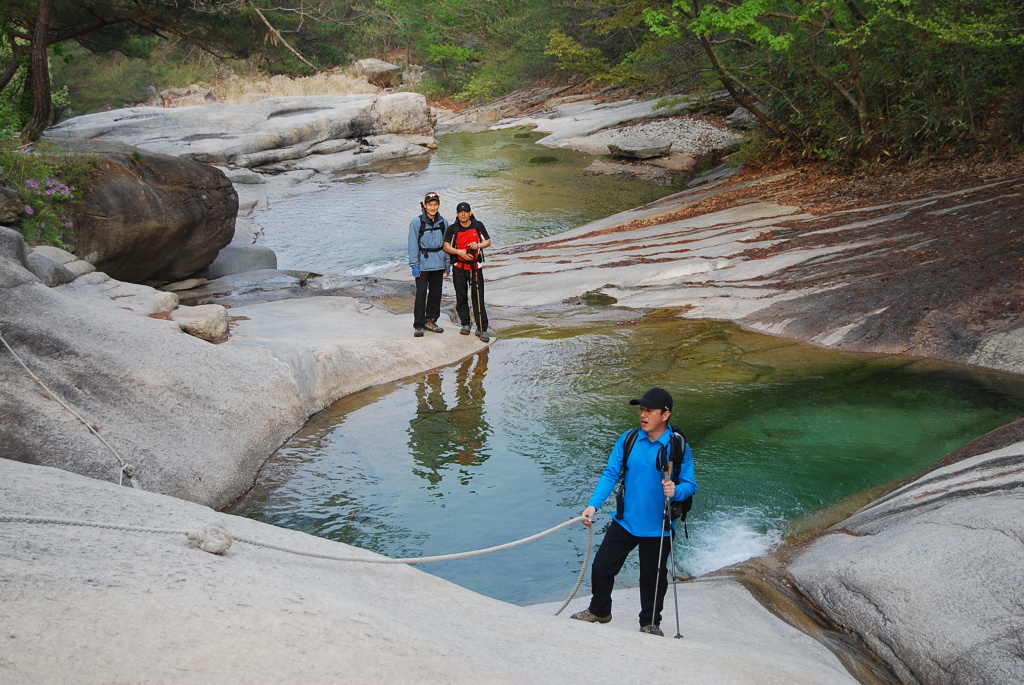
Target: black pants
466, 291
428, 297
616, 546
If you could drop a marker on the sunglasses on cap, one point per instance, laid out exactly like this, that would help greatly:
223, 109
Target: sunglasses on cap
431, 197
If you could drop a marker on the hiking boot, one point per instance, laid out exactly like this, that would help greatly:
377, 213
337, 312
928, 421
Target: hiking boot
465, 330
417, 333
482, 335
433, 327
652, 629
585, 615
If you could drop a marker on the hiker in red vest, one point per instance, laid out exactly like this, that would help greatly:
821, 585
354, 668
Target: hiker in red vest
465, 240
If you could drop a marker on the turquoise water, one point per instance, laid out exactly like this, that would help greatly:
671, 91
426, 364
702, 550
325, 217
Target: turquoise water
512, 441
359, 224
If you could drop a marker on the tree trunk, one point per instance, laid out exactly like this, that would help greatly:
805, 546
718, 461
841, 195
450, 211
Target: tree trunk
737, 90
40, 73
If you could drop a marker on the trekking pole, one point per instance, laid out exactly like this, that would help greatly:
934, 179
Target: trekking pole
672, 542
664, 520
474, 291
675, 592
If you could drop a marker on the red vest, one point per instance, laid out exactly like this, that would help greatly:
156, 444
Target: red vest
463, 237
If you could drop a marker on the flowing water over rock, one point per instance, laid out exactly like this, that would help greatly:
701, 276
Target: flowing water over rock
512, 441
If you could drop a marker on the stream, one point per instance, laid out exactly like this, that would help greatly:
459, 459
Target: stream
512, 440
359, 223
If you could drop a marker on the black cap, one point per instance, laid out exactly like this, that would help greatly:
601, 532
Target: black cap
462, 207
431, 197
655, 398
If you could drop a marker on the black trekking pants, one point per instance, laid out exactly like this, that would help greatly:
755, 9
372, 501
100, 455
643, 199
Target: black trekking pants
469, 288
428, 297
611, 555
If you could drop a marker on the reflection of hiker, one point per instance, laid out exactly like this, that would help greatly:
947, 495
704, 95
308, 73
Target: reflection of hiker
640, 520
445, 436
428, 261
471, 428
466, 239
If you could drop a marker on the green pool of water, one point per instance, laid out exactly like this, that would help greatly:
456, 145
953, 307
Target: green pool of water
511, 442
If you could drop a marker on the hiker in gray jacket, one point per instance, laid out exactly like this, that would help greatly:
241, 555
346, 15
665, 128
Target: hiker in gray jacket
428, 262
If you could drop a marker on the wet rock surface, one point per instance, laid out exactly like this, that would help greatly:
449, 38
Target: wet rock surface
933, 268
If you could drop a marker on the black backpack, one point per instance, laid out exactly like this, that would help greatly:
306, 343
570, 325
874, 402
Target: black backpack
423, 229
677, 510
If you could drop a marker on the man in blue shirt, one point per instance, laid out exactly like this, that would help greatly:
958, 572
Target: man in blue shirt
641, 522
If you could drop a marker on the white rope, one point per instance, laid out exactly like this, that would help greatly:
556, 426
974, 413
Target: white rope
214, 539
126, 468
583, 569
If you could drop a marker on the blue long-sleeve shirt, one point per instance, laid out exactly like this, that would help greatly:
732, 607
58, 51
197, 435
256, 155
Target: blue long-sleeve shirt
644, 508
433, 237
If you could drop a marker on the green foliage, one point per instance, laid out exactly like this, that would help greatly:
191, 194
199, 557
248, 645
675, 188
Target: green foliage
846, 81
572, 56
47, 183
454, 63
864, 81
112, 81
982, 23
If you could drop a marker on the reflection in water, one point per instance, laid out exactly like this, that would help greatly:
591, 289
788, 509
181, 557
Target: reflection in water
779, 430
440, 435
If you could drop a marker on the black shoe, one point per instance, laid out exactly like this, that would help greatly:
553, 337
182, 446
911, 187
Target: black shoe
652, 629
433, 327
417, 333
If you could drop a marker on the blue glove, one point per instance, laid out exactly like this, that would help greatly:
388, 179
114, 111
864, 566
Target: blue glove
415, 272
447, 271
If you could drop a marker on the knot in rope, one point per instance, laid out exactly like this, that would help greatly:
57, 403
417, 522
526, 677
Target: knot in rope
210, 537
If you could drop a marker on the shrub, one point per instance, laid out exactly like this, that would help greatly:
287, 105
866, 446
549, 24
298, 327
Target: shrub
48, 183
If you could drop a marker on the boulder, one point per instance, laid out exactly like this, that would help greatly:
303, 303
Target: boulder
378, 72
150, 216
79, 267
640, 148
238, 258
743, 119
48, 270
255, 134
929, 576
186, 97
167, 404
206, 321
13, 259
402, 114
55, 253
11, 205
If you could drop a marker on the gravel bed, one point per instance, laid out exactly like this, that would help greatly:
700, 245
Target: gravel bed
691, 135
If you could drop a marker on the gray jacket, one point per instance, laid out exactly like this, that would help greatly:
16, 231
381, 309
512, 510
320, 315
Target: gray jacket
427, 252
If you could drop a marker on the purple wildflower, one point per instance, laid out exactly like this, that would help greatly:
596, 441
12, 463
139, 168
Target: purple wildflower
29, 210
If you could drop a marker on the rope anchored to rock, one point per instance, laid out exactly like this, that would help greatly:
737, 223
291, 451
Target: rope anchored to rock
215, 539
126, 468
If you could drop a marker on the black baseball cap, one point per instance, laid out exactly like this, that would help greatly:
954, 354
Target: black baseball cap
462, 207
655, 398
431, 197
